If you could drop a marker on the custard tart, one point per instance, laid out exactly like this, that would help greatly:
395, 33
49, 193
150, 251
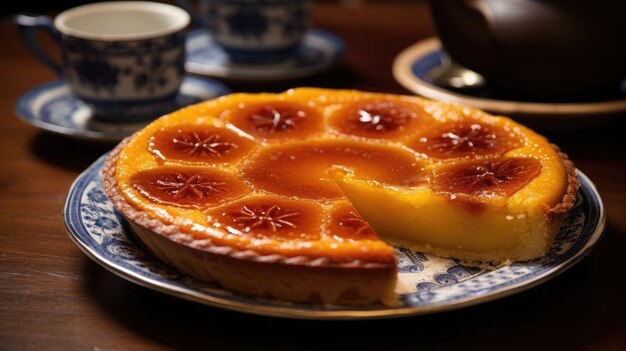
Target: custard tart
297, 196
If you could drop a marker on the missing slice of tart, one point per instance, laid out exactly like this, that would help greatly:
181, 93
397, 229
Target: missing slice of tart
289, 195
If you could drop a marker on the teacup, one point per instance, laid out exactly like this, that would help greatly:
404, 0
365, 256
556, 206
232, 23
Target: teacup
538, 49
124, 59
255, 31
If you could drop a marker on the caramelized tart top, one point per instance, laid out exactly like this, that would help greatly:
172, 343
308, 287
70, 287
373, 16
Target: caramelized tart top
251, 172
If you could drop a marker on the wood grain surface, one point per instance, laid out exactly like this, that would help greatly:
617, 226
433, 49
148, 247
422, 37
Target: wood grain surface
52, 297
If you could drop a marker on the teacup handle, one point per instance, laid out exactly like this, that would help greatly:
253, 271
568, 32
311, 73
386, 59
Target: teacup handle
27, 27
196, 21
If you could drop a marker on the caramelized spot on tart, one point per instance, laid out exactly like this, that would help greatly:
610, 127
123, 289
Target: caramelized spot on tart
465, 139
277, 119
376, 118
485, 178
270, 217
347, 225
199, 144
299, 169
187, 187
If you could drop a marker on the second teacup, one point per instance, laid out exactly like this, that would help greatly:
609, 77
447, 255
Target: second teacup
256, 31
124, 59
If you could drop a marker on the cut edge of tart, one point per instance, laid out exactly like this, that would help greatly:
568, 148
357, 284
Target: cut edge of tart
276, 195
486, 238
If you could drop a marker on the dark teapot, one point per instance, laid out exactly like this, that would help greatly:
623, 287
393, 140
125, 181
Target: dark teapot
542, 49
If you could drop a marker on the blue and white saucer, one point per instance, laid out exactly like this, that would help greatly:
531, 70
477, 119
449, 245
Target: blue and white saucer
319, 51
53, 107
413, 66
426, 283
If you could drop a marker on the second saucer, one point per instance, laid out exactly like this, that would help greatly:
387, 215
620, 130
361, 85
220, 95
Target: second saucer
413, 68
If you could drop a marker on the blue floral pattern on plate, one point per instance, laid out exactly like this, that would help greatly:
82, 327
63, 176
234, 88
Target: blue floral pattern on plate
427, 283
320, 50
54, 108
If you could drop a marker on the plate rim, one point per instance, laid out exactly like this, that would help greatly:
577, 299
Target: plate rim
590, 191
245, 74
24, 113
402, 72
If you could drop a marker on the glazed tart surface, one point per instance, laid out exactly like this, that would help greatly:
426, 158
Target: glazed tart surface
303, 185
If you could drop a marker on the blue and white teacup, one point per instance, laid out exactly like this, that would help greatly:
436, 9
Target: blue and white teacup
124, 59
256, 31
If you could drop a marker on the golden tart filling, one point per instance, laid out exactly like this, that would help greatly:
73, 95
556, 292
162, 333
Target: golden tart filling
295, 195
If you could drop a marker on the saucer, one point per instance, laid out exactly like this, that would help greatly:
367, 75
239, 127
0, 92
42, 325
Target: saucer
52, 107
412, 67
320, 50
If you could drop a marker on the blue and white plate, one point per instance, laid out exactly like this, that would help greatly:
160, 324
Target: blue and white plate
427, 283
319, 51
53, 107
413, 66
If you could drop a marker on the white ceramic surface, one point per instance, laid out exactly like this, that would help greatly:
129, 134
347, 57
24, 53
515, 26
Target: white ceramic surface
122, 20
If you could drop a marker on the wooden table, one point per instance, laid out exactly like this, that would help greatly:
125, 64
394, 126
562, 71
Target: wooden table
52, 297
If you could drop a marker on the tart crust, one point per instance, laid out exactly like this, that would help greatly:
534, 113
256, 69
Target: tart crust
569, 197
298, 278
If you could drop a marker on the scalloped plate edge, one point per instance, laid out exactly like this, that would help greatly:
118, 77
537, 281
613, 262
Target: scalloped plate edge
299, 313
